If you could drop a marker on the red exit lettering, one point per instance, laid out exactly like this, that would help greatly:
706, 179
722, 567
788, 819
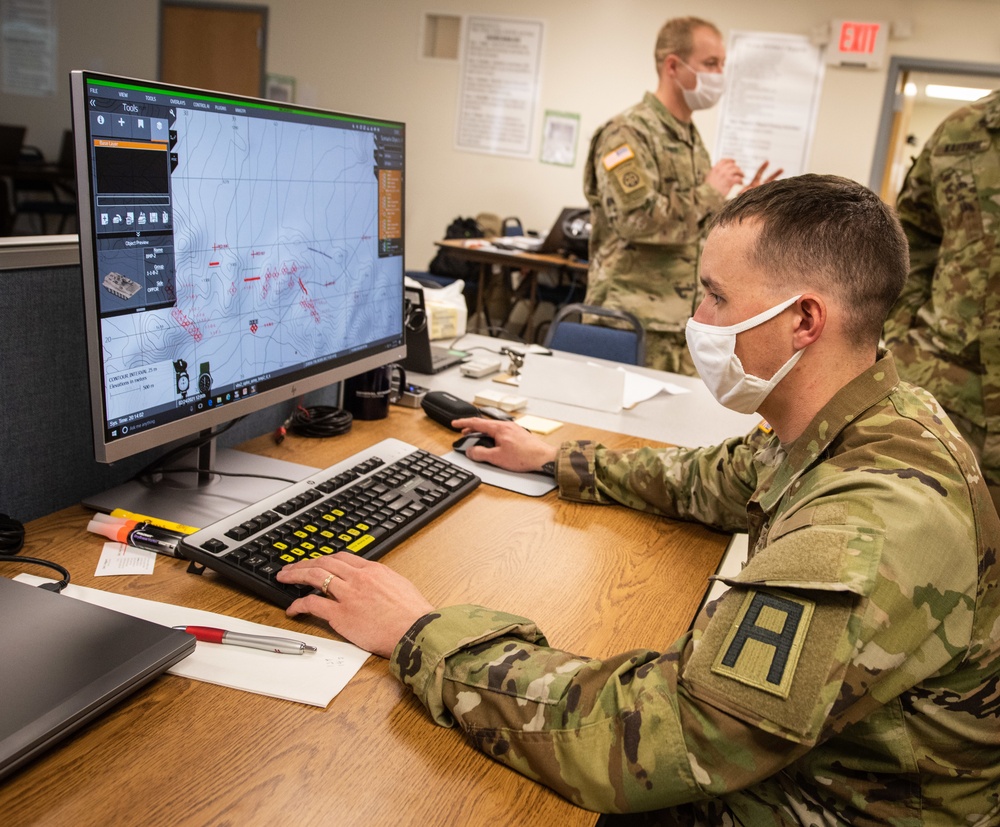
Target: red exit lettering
858, 37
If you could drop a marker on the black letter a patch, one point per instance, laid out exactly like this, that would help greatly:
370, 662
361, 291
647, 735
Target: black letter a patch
763, 646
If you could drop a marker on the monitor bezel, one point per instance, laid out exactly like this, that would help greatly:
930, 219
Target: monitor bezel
170, 432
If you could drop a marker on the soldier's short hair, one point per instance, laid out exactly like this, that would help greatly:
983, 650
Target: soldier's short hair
675, 38
827, 232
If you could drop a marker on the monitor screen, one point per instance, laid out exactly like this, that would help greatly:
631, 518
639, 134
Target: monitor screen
235, 252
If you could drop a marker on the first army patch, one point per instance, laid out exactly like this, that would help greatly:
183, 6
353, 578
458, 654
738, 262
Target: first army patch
763, 646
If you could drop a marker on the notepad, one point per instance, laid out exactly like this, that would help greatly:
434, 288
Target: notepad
314, 678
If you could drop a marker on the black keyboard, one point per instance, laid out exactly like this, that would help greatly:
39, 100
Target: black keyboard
365, 504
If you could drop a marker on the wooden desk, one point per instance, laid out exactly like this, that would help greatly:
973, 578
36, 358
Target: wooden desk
479, 250
599, 580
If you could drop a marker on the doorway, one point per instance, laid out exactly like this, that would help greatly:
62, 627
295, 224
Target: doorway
213, 46
910, 115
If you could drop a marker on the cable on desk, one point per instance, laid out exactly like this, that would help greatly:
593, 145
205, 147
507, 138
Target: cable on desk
317, 421
145, 473
12, 541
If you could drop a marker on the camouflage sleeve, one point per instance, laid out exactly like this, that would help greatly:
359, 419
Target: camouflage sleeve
653, 194
817, 632
639, 730
710, 485
918, 214
554, 717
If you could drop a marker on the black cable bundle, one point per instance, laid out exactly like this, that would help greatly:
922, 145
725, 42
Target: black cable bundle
316, 421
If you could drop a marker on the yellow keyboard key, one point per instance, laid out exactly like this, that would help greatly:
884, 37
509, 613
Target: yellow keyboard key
360, 543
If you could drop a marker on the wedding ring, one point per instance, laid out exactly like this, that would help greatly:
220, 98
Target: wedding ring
326, 583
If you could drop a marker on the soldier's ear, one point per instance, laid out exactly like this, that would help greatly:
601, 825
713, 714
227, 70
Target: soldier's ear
810, 319
669, 66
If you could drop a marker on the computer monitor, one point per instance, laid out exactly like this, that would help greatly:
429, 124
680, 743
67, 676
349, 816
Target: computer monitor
236, 253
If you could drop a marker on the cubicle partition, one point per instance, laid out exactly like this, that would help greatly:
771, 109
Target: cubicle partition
46, 451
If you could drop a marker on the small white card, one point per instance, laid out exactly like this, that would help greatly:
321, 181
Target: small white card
118, 558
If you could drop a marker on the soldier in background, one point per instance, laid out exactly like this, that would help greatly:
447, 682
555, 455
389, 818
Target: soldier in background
850, 674
945, 329
652, 189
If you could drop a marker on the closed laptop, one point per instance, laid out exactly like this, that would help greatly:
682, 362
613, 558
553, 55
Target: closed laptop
63, 662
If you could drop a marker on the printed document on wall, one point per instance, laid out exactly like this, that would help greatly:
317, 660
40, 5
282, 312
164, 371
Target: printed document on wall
501, 71
768, 113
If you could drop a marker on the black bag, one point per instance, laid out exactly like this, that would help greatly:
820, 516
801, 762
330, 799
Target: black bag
446, 263
442, 407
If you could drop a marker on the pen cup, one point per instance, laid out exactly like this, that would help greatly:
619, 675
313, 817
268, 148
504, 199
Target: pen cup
367, 395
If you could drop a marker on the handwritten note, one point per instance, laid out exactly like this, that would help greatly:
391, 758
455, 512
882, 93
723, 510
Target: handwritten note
118, 558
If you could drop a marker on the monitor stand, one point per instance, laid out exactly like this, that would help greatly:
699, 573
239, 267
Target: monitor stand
198, 498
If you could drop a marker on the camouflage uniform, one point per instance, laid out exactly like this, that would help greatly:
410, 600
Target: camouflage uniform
645, 183
945, 328
850, 675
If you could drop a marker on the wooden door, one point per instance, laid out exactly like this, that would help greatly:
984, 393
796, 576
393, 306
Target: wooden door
213, 46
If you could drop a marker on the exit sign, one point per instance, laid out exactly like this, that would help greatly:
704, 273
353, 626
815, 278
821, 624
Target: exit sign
857, 43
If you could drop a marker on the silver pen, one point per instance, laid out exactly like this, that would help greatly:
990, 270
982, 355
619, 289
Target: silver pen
281, 645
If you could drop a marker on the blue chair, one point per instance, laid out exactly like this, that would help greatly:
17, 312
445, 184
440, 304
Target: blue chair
619, 345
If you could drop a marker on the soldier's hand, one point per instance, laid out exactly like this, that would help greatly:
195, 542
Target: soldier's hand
515, 450
368, 603
725, 175
759, 179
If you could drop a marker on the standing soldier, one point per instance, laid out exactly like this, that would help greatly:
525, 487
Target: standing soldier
652, 188
945, 328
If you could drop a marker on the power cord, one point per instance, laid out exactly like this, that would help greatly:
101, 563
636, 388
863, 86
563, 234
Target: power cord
317, 421
12, 541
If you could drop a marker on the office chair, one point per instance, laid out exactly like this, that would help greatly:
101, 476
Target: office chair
628, 346
43, 190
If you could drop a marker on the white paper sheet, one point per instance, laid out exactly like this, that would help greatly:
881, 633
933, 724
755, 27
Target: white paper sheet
313, 678
639, 388
583, 384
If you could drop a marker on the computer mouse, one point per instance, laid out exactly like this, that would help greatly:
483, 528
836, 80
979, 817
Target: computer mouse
466, 441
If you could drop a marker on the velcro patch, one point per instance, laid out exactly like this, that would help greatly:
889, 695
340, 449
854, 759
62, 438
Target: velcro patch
764, 643
765, 427
629, 179
618, 156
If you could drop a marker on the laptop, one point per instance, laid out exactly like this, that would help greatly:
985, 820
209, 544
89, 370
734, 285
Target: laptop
421, 355
554, 242
63, 662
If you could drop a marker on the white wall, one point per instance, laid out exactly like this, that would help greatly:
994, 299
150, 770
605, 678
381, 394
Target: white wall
363, 56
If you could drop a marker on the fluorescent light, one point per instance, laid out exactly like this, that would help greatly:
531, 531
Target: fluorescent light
910, 90
954, 93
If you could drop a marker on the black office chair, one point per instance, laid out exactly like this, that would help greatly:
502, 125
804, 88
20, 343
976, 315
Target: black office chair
49, 192
619, 345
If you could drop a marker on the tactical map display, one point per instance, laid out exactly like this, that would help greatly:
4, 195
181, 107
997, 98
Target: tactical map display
236, 245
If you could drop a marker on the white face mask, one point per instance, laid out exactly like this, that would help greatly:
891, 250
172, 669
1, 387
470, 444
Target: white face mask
708, 88
713, 351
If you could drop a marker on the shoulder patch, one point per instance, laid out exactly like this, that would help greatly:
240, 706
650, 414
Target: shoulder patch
765, 427
617, 156
629, 179
763, 646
